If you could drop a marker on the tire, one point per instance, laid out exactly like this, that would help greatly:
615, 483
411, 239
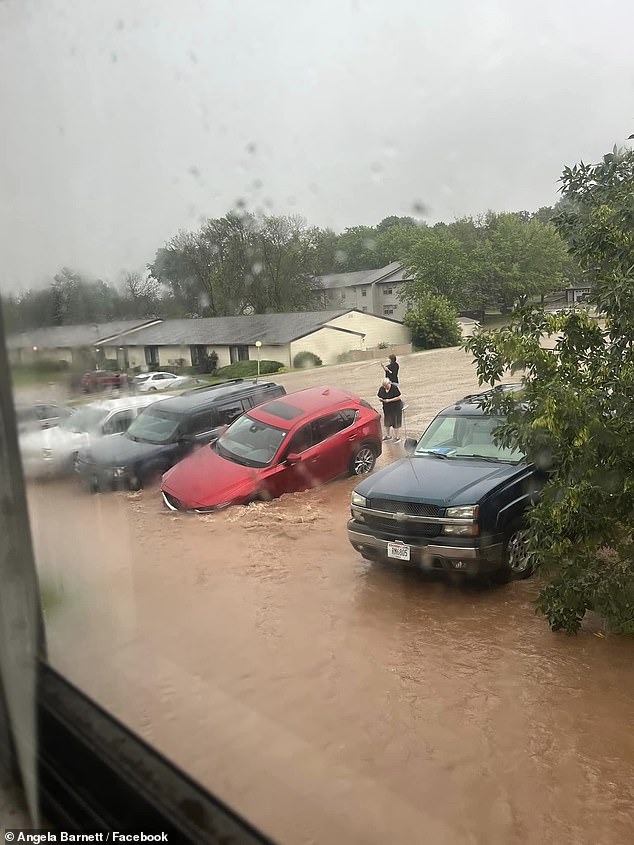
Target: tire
363, 460
134, 482
152, 390
516, 563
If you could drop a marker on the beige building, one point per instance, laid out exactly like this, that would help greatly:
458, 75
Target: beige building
73, 344
327, 334
370, 291
184, 343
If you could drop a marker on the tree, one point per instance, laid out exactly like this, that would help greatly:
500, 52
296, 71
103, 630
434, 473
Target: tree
357, 249
242, 264
575, 417
140, 295
439, 266
433, 323
529, 258
395, 222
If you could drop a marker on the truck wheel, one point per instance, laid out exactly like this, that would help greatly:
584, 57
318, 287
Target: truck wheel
516, 563
363, 460
134, 482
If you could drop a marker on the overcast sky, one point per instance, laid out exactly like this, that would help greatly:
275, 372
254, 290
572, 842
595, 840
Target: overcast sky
122, 121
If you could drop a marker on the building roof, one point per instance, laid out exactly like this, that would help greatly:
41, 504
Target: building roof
270, 329
361, 277
59, 337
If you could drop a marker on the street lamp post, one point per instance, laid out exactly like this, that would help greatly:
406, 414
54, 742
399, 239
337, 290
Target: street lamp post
258, 346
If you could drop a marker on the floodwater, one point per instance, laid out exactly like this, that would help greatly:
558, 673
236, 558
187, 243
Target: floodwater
329, 700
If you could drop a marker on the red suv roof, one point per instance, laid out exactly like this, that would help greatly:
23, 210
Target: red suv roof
286, 411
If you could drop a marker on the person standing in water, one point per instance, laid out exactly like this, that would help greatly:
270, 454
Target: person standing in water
390, 396
391, 370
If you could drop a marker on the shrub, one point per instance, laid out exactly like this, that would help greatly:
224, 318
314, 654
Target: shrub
304, 360
433, 323
382, 345
247, 369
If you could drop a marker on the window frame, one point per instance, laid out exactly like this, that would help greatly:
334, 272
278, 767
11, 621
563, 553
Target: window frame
83, 768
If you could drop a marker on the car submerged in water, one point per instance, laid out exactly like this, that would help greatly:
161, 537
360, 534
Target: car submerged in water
457, 502
287, 445
54, 451
167, 433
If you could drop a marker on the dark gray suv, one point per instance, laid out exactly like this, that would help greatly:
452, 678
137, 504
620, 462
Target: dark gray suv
167, 431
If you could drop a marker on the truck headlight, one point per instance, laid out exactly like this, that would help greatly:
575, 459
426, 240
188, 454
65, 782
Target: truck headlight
469, 529
462, 512
119, 472
358, 500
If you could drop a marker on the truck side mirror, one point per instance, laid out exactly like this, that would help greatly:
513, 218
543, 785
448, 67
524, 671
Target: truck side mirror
410, 445
293, 458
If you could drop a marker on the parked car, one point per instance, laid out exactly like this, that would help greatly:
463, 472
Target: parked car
290, 444
54, 451
40, 415
97, 380
146, 382
164, 434
456, 503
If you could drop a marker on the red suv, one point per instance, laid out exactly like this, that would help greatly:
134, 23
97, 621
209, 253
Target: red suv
101, 380
299, 441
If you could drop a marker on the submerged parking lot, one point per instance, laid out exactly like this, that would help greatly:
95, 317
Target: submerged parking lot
327, 699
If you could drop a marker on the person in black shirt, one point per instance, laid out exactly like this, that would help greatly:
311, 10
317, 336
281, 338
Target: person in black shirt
390, 396
391, 370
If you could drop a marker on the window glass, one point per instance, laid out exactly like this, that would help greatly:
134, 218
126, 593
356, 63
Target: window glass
227, 413
250, 442
118, 423
301, 440
185, 178
153, 425
200, 422
327, 426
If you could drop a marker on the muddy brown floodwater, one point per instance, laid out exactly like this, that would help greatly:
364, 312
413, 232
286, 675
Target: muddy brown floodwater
326, 699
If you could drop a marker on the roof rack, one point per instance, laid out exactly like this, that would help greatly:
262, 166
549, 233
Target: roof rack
472, 397
212, 386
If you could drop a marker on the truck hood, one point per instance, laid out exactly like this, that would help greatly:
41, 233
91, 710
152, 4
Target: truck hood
120, 450
444, 482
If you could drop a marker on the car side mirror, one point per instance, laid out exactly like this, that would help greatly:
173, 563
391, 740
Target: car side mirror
410, 445
293, 458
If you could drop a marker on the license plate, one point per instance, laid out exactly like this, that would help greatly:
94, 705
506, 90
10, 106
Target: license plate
398, 550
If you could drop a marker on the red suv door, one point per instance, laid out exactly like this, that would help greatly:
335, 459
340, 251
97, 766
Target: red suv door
334, 436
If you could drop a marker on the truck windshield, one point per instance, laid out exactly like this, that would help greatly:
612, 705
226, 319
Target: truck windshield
466, 437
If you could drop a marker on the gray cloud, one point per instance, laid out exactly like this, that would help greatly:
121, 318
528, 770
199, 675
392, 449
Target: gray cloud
125, 120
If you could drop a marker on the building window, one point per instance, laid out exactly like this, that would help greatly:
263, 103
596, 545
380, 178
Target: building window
387, 291
364, 307
364, 292
388, 310
198, 355
151, 355
238, 353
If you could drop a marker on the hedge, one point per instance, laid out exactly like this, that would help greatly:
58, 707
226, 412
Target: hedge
246, 369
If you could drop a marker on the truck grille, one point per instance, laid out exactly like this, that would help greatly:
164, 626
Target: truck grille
402, 530
410, 508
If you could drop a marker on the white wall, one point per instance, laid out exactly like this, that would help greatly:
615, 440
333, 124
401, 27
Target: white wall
270, 353
376, 329
327, 343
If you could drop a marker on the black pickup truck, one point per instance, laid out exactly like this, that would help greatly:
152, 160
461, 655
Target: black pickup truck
455, 503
